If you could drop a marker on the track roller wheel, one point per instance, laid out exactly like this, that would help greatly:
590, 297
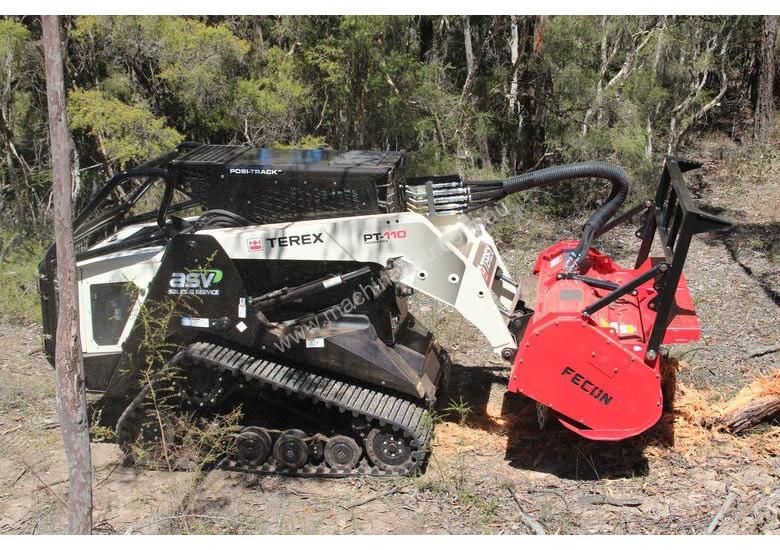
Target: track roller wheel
342, 451
201, 386
253, 445
387, 449
290, 450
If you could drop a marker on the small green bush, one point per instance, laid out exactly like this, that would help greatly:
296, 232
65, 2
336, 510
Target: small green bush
19, 260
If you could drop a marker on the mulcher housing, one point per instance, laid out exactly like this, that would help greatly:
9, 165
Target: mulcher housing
289, 273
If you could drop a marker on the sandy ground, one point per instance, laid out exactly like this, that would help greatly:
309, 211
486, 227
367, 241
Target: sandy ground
488, 470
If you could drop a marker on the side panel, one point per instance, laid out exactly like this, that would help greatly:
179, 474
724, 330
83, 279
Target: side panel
200, 295
199, 288
193, 294
107, 283
603, 390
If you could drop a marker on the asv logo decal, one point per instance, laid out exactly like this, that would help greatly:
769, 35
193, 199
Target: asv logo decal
383, 237
196, 282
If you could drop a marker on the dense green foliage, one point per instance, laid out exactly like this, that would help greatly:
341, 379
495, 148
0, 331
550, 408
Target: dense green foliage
123, 132
479, 94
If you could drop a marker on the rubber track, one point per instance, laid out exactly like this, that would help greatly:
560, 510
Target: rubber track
379, 409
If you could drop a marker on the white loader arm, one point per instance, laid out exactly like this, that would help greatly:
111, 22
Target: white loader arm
453, 260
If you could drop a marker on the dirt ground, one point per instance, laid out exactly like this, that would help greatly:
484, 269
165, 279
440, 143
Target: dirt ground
493, 468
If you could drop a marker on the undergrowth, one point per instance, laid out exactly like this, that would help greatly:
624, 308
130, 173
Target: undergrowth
19, 258
181, 438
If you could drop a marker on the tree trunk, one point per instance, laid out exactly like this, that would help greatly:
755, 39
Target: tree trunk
467, 45
472, 63
541, 22
514, 49
258, 29
71, 398
426, 37
534, 100
765, 109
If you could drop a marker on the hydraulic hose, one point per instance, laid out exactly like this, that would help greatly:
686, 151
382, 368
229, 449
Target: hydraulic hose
555, 174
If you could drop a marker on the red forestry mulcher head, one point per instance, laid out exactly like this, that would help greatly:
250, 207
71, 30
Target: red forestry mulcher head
588, 344
591, 349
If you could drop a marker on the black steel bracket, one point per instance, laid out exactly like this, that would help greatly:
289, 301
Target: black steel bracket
676, 219
630, 286
598, 283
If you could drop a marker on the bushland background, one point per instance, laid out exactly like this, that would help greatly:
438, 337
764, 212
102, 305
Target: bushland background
483, 96
479, 95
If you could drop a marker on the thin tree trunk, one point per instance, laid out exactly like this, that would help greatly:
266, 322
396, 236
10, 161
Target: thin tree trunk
659, 45
467, 45
471, 69
535, 98
605, 59
514, 53
258, 29
765, 109
541, 22
71, 398
514, 49
648, 153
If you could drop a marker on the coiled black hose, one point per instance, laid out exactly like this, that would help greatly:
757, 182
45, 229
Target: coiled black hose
216, 218
593, 169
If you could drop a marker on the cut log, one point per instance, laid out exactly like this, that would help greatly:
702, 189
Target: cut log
752, 414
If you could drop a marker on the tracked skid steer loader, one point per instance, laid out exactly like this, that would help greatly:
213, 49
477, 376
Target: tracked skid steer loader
284, 277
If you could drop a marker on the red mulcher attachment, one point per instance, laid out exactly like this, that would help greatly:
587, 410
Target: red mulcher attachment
590, 351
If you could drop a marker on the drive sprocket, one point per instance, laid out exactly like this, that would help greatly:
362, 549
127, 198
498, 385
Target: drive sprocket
388, 450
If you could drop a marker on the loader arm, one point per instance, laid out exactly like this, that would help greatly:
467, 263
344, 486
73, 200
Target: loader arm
449, 258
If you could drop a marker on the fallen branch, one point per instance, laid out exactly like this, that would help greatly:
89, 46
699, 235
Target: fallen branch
730, 499
758, 352
372, 498
99, 483
12, 430
600, 500
529, 521
752, 414
24, 471
52, 484
44, 484
130, 530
